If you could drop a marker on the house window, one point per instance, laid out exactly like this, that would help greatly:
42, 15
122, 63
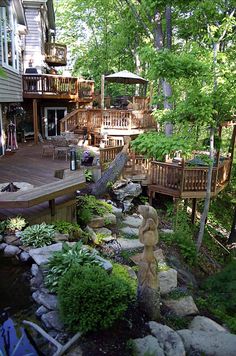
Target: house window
9, 38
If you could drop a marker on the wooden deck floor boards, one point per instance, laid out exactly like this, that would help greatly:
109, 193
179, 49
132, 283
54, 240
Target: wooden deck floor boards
27, 165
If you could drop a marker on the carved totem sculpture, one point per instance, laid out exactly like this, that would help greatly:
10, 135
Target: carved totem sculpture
148, 283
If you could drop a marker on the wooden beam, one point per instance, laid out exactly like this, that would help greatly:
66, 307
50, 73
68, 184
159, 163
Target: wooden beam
35, 120
194, 208
102, 91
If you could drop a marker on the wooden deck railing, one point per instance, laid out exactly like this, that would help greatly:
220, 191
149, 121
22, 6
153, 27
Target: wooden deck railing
47, 84
106, 119
55, 53
182, 179
108, 155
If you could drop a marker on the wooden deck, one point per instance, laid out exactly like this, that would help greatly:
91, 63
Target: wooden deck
27, 165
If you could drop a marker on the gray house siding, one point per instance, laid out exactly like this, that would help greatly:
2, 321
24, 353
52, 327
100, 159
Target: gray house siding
11, 87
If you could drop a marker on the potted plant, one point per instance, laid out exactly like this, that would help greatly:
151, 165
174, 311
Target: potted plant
87, 158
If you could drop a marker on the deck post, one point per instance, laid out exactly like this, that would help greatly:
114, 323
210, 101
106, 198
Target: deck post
194, 209
232, 149
52, 207
35, 120
217, 160
102, 91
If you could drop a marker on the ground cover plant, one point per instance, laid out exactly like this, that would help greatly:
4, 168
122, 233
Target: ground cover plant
38, 235
219, 297
88, 205
61, 262
91, 299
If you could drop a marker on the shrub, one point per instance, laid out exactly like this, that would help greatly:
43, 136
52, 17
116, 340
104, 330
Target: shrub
3, 225
38, 235
63, 260
65, 227
88, 205
15, 224
220, 297
91, 299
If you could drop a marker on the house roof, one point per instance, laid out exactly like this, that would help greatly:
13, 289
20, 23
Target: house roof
125, 77
20, 12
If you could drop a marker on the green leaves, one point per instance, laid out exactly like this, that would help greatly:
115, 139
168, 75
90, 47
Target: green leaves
38, 235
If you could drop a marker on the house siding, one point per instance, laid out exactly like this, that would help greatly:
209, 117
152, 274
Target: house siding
33, 40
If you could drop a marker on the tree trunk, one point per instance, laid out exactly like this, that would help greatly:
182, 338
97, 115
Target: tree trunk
112, 173
232, 236
208, 192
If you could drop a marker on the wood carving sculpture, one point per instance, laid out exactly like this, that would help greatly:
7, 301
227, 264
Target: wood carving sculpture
148, 286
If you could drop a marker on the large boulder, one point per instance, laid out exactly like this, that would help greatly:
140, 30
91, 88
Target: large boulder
167, 280
52, 321
168, 339
202, 323
12, 240
209, 343
11, 251
130, 231
129, 244
132, 221
41, 255
48, 300
147, 345
183, 306
130, 189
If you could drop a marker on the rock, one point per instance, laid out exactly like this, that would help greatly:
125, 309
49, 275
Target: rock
132, 221
58, 237
34, 269
131, 231
159, 255
168, 280
182, 306
24, 256
117, 211
168, 339
110, 219
104, 231
45, 299
91, 232
126, 244
167, 231
209, 343
96, 222
3, 246
201, 323
131, 272
75, 351
147, 345
51, 321
184, 276
11, 251
41, 255
1, 238
105, 263
12, 240
40, 311
127, 205
130, 190
37, 281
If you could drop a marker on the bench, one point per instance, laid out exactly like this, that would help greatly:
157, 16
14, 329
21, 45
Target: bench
47, 193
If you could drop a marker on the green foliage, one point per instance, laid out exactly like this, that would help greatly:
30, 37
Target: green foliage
3, 225
38, 235
63, 260
88, 175
143, 199
178, 293
182, 237
88, 205
220, 295
91, 299
157, 145
65, 227
15, 224
121, 272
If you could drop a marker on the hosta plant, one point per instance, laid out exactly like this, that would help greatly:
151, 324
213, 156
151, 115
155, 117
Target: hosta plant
15, 224
63, 260
38, 235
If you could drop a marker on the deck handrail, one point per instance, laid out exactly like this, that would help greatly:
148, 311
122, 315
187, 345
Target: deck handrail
105, 119
56, 85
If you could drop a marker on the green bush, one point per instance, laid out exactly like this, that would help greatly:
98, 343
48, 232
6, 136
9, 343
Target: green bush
38, 235
3, 225
221, 292
63, 260
91, 299
65, 227
88, 205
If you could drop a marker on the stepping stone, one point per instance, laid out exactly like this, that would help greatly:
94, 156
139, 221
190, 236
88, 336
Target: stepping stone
133, 221
127, 230
128, 244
